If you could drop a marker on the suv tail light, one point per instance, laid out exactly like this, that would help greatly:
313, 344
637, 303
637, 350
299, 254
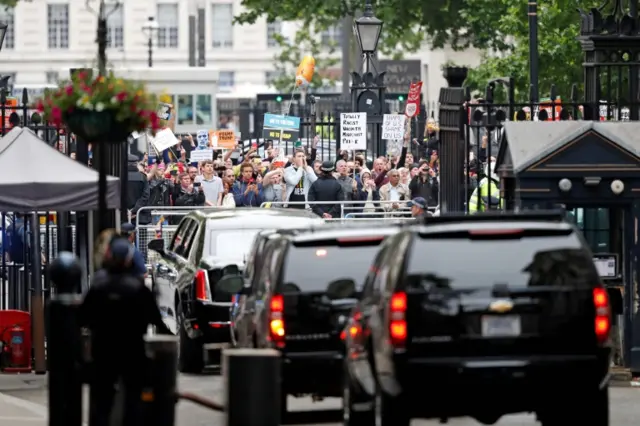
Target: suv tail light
203, 292
603, 314
397, 319
276, 320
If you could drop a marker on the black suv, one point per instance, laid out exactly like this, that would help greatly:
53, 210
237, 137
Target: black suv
481, 316
300, 300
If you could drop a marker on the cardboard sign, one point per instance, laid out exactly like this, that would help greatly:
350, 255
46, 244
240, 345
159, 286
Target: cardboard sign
164, 139
393, 126
412, 108
223, 139
198, 155
202, 139
11, 104
353, 131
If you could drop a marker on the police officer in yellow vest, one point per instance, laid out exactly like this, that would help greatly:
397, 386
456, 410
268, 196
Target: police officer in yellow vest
489, 192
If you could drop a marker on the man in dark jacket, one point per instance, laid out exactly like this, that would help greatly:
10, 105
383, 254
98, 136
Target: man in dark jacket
425, 184
326, 188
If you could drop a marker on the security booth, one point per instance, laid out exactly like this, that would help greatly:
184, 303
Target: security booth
591, 169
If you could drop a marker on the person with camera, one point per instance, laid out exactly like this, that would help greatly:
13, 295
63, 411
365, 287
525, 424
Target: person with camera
424, 184
246, 191
187, 193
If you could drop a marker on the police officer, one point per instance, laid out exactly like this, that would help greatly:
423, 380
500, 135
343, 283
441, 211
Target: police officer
489, 192
117, 309
419, 208
128, 230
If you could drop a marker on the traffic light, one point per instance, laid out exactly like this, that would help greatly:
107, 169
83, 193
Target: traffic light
401, 98
279, 99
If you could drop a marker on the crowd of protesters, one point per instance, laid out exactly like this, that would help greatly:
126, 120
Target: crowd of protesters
384, 185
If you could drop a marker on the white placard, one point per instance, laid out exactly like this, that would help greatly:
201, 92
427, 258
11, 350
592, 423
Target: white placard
393, 126
353, 131
164, 139
198, 155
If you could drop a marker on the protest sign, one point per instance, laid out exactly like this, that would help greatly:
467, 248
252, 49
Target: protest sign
164, 139
202, 139
353, 131
167, 115
412, 108
223, 139
393, 126
198, 155
281, 128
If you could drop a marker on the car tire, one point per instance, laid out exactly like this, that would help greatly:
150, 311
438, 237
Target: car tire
393, 411
190, 351
593, 410
352, 394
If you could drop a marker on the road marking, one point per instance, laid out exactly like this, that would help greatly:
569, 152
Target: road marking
32, 407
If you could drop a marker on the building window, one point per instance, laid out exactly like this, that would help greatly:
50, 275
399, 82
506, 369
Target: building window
52, 77
271, 76
115, 25
273, 29
167, 25
331, 35
7, 17
222, 25
185, 109
58, 26
226, 79
203, 109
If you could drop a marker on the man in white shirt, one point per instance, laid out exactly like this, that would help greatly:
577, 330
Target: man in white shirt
211, 184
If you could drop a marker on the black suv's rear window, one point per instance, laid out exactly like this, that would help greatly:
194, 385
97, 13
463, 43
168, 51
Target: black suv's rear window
313, 268
460, 263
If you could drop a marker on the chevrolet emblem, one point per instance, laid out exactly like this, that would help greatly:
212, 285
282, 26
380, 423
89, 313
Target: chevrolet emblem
501, 306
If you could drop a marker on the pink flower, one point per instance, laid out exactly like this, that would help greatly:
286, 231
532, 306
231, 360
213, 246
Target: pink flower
69, 90
121, 96
40, 106
56, 114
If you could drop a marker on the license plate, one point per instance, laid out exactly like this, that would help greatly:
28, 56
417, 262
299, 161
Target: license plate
501, 326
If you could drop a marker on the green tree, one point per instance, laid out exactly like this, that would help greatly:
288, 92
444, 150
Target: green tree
291, 53
407, 23
9, 3
560, 56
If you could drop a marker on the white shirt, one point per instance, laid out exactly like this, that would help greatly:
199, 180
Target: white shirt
211, 188
393, 193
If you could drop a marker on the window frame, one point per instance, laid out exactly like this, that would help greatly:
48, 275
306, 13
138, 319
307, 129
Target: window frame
164, 39
8, 16
221, 44
56, 26
115, 29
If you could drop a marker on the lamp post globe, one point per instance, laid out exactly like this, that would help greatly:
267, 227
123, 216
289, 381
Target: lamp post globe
367, 30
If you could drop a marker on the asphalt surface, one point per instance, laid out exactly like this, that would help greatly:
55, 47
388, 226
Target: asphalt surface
23, 402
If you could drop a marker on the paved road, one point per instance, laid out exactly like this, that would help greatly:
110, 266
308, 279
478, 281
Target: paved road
26, 405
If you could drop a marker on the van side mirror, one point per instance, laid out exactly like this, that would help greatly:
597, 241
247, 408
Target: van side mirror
156, 245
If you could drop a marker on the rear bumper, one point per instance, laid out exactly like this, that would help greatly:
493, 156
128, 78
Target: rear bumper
312, 373
504, 384
211, 323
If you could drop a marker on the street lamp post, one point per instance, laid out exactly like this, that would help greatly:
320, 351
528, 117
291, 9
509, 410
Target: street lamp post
150, 28
367, 89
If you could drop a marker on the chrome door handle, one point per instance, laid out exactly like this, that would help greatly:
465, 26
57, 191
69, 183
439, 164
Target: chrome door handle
163, 269
172, 275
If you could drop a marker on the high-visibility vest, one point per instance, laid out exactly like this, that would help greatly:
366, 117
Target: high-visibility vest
488, 190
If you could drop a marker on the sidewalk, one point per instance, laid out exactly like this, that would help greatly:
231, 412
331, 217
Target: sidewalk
21, 412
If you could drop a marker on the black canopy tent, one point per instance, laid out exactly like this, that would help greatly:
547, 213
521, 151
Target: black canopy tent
36, 177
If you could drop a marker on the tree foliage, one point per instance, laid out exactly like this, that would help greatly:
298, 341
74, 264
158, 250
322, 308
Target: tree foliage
9, 3
407, 23
560, 56
291, 53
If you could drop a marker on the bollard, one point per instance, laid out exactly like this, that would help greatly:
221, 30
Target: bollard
159, 399
65, 382
252, 386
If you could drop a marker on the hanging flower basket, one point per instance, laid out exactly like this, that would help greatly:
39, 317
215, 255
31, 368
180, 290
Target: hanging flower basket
105, 109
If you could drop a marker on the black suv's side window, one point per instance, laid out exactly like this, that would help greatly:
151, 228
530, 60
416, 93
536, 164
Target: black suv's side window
396, 260
190, 239
178, 236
